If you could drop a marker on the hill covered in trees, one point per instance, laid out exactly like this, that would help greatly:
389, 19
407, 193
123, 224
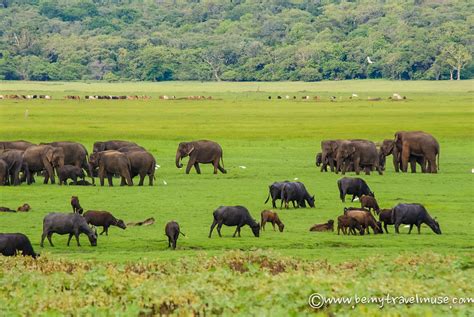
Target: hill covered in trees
236, 40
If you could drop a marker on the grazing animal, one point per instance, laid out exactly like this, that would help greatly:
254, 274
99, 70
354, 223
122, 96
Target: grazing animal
11, 243
24, 207
272, 217
76, 206
348, 225
234, 216
385, 216
296, 191
353, 186
328, 226
69, 171
6, 209
72, 224
369, 202
275, 192
413, 214
103, 219
172, 231
365, 219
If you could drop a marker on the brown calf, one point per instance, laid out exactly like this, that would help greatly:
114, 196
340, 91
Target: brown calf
76, 207
385, 216
25, 207
369, 202
328, 226
347, 225
270, 216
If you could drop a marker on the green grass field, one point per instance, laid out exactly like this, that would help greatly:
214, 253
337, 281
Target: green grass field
275, 140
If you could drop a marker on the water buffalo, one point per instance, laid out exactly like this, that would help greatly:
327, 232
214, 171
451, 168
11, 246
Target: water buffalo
234, 216
72, 224
385, 216
172, 231
275, 192
103, 219
296, 191
353, 186
413, 214
11, 243
272, 217
365, 219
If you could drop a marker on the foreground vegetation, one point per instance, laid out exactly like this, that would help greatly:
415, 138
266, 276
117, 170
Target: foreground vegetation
237, 40
132, 270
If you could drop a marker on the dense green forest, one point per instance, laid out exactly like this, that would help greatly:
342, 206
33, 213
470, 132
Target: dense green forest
235, 40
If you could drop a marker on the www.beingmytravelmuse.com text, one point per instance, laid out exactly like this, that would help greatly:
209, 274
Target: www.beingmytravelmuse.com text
317, 300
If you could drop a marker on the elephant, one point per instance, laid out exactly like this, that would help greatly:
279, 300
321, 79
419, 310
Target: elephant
203, 151
15, 145
388, 148
3, 172
15, 164
418, 143
74, 154
43, 157
109, 163
328, 153
319, 161
142, 163
111, 145
362, 153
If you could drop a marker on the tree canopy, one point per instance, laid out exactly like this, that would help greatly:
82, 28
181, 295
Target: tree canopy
235, 40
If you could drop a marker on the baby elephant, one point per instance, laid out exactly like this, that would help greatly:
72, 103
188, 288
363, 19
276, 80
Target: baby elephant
82, 182
69, 171
76, 207
172, 231
272, 217
328, 226
103, 219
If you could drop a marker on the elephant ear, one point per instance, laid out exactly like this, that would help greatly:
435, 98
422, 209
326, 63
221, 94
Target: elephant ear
334, 146
49, 155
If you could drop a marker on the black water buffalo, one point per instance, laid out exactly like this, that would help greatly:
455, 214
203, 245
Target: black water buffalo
275, 192
234, 216
172, 231
413, 214
353, 186
296, 191
385, 216
70, 223
11, 243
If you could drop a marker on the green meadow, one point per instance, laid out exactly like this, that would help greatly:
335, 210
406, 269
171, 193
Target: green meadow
263, 141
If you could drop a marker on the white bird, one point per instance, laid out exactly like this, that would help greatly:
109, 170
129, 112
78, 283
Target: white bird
164, 182
241, 166
296, 178
355, 95
472, 171
356, 199
157, 166
369, 61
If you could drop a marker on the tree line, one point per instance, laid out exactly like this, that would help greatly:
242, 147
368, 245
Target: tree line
235, 40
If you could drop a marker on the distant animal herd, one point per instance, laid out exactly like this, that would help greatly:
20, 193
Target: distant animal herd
21, 160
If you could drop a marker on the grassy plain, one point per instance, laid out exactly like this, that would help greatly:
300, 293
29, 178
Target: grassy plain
274, 140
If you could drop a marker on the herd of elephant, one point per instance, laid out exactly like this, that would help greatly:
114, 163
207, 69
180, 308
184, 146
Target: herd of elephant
20, 160
407, 146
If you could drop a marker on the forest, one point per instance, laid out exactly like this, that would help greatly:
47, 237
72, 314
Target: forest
235, 40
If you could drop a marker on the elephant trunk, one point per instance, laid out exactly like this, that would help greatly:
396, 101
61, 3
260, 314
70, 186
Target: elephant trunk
178, 158
91, 172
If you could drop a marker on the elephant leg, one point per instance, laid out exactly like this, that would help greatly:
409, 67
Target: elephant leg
128, 178
413, 164
190, 165
109, 179
198, 169
405, 157
74, 180
385, 226
150, 179
142, 178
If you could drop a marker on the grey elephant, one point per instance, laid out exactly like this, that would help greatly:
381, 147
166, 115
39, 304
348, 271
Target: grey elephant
418, 143
3, 172
43, 157
74, 154
142, 163
362, 153
203, 151
111, 145
15, 145
110, 163
389, 147
328, 154
15, 164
